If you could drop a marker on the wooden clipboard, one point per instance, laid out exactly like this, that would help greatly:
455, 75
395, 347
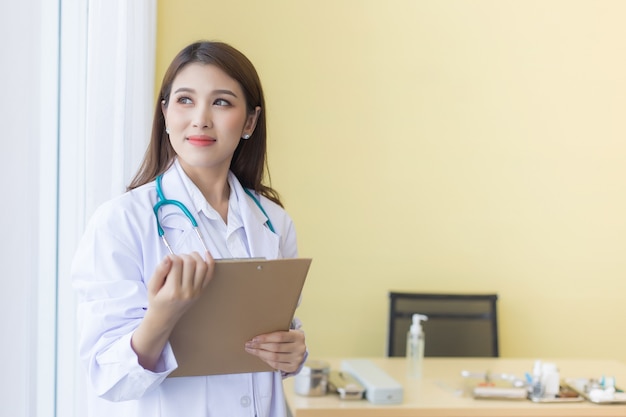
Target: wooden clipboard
245, 298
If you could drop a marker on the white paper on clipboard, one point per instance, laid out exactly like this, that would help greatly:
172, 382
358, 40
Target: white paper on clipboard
245, 298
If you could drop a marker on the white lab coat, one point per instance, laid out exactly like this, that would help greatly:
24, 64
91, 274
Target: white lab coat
116, 257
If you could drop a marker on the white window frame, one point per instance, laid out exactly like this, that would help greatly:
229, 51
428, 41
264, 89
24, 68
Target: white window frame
46, 319
70, 394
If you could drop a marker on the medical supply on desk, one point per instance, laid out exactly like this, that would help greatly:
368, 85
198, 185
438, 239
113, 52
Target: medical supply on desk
380, 388
312, 380
545, 380
344, 384
550, 380
544, 386
357, 379
415, 346
535, 389
487, 385
502, 386
598, 390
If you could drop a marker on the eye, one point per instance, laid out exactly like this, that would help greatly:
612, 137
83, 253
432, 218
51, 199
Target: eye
184, 100
221, 102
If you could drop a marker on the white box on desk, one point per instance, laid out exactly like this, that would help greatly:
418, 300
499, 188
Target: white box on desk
380, 388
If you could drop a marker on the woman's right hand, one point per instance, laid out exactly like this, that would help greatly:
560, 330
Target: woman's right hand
175, 285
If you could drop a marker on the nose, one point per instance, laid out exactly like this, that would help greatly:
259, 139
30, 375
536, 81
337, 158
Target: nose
202, 116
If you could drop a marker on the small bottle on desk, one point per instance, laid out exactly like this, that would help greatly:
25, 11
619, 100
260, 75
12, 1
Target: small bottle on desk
415, 346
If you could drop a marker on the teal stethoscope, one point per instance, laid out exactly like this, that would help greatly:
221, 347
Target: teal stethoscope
162, 201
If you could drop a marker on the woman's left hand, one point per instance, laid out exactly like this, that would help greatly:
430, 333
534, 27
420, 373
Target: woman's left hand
281, 350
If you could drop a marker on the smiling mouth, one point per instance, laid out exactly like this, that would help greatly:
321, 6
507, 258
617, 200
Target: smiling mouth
201, 140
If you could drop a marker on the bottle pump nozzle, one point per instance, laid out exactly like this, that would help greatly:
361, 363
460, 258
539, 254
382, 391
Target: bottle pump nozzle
416, 325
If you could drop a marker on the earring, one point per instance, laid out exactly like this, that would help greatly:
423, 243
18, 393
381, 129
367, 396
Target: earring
167, 131
246, 136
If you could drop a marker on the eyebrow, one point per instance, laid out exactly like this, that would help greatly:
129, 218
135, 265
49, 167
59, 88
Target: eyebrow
191, 90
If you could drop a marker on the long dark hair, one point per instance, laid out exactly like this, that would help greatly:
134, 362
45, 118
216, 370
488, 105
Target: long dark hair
249, 161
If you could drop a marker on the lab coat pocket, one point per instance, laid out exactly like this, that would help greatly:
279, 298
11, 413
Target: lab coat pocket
180, 234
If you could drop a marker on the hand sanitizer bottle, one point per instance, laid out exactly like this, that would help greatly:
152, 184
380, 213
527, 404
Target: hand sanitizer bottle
415, 346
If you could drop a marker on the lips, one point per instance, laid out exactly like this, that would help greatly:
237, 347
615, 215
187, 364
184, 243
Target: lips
201, 140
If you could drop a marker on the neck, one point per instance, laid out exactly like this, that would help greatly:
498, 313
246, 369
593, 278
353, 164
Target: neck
215, 192
214, 187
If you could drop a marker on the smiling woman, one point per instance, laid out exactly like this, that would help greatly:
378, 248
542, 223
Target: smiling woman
207, 153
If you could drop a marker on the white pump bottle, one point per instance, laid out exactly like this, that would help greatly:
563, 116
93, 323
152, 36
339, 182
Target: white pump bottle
415, 346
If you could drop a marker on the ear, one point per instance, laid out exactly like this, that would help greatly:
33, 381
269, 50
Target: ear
251, 120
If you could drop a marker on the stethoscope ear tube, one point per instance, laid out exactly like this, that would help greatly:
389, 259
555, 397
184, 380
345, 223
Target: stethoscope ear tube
162, 201
258, 204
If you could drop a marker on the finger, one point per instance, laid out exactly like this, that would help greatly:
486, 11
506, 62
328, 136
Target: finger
275, 337
284, 361
159, 275
174, 277
279, 342
278, 337
200, 271
210, 262
188, 274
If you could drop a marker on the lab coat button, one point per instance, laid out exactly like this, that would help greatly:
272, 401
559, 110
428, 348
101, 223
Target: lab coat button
245, 401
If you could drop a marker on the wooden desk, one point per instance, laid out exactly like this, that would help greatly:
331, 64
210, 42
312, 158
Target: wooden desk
439, 392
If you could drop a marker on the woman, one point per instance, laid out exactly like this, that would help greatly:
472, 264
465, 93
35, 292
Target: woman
208, 151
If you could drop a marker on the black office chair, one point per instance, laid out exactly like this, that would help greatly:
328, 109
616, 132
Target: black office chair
458, 325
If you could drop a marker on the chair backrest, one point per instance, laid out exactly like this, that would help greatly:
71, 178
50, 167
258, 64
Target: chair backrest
458, 325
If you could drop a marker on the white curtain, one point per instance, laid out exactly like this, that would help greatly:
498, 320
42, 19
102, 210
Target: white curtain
119, 93
106, 101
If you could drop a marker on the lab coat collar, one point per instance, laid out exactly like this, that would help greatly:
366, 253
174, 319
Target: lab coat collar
263, 243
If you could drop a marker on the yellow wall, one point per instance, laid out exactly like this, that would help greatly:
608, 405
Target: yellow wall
459, 146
